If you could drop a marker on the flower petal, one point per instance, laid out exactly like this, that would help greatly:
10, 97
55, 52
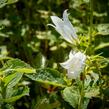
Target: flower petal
64, 27
68, 23
72, 74
56, 20
61, 28
67, 64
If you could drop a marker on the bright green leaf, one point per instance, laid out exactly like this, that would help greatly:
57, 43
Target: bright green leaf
12, 79
102, 45
25, 70
11, 1
18, 66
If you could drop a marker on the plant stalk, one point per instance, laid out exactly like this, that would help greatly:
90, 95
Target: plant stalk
91, 21
80, 104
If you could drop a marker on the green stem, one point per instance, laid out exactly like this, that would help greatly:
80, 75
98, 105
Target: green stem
81, 97
81, 90
89, 49
91, 20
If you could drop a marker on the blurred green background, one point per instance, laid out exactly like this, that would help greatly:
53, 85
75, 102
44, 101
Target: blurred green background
25, 34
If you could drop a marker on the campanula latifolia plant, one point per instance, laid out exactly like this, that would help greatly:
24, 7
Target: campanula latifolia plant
78, 66
63, 68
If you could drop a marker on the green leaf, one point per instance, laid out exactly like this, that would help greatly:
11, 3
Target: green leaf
9, 91
103, 29
25, 70
92, 92
102, 45
48, 76
11, 1
12, 79
71, 95
91, 87
16, 65
20, 92
5, 2
2, 3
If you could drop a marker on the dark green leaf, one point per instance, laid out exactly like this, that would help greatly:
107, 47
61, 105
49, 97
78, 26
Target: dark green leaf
20, 92
48, 76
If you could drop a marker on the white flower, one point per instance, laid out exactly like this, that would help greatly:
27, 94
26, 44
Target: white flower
74, 64
64, 27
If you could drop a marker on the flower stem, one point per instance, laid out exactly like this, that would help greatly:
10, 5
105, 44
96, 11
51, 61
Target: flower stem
89, 49
91, 20
81, 90
81, 99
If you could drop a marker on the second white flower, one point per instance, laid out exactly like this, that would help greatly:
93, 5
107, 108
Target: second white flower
74, 64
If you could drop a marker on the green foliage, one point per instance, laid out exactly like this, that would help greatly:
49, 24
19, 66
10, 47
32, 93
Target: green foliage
10, 75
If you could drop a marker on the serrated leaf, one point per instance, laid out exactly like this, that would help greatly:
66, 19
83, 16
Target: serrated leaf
48, 76
91, 88
18, 94
92, 92
71, 95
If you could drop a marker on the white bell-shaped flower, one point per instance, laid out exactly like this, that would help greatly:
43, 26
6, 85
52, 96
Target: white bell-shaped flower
74, 64
64, 27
